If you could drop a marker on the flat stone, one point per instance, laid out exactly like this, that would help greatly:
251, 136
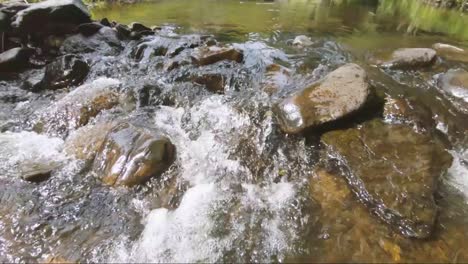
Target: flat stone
410, 58
393, 171
340, 93
209, 55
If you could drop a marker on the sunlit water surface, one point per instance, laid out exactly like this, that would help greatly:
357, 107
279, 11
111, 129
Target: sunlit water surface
240, 190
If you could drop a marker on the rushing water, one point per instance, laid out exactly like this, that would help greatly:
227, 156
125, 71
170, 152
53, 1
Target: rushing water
240, 189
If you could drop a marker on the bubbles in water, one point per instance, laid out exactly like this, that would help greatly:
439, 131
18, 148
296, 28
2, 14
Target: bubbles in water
28, 147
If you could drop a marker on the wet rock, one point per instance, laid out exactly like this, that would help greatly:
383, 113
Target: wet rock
340, 93
105, 41
407, 111
36, 172
302, 41
138, 27
51, 17
441, 47
4, 22
210, 55
85, 142
131, 155
213, 82
79, 106
123, 31
410, 58
65, 71
276, 78
33, 83
455, 84
89, 29
393, 171
15, 59
105, 22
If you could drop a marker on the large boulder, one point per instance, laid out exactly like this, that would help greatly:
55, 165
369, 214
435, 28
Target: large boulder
340, 93
410, 58
393, 171
51, 17
78, 107
65, 71
15, 59
131, 155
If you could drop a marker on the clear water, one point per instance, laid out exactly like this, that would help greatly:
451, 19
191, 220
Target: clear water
240, 190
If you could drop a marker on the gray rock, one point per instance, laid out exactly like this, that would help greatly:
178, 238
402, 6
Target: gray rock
15, 59
340, 93
51, 17
105, 41
393, 171
410, 58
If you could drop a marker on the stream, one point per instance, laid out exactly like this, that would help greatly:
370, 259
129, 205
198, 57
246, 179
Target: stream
239, 188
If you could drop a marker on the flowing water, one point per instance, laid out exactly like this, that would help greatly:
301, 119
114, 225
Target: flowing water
240, 190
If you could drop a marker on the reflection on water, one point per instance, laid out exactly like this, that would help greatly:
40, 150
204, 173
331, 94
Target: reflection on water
238, 17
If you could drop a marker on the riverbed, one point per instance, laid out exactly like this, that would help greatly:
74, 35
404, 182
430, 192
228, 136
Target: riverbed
240, 189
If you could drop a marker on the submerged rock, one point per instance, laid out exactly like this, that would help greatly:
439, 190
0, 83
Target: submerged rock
455, 84
276, 78
406, 111
302, 41
340, 93
392, 170
131, 155
213, 82
51, 17
65, 71
410, 58
79, 106
210, 55
15, 59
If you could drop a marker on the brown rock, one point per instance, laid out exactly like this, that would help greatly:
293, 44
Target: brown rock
131, 155
209, 55
213, 82
392, 170
340, 93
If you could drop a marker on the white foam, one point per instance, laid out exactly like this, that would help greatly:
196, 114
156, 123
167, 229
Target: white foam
30, 147
458, 173
218, 215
